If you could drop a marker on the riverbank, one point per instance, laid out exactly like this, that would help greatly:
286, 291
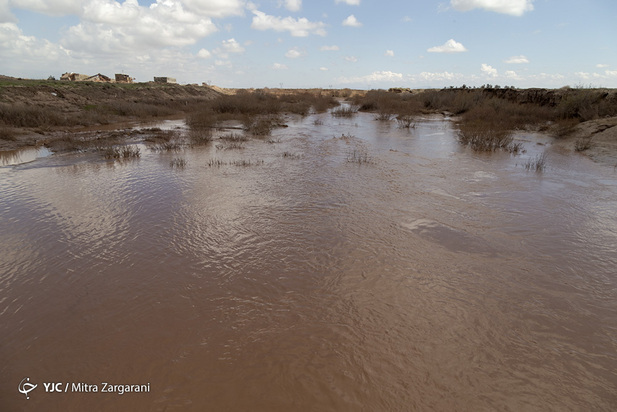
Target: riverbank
37, 112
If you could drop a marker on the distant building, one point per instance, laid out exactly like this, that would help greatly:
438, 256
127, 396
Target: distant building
100, 78
74, 77
164, 80
123, 78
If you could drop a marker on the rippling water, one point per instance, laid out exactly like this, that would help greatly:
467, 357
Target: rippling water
431, 278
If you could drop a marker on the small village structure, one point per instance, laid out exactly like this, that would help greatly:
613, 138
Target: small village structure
165, 80
99, 78
123, 78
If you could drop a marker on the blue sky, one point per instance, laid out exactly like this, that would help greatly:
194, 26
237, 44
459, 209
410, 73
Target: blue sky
324, 43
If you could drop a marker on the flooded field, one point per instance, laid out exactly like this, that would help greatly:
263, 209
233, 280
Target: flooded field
338, 265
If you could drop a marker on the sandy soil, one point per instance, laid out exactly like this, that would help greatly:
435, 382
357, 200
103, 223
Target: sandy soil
602, 134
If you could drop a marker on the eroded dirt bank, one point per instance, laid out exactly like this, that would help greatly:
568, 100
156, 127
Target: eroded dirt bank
34, 112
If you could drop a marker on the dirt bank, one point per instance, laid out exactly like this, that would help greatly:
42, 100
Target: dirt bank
595, 138
32, 112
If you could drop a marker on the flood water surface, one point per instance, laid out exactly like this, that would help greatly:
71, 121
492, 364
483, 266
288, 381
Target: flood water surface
289, 275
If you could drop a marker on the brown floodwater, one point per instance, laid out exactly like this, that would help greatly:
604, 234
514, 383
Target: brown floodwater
428, 278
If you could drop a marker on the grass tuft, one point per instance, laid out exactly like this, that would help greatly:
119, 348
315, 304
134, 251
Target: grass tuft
178, 163
360, 157
537, 163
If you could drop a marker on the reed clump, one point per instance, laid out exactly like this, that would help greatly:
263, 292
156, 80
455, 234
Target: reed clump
178, 163
360, 157
258, 110
537, 163
122, 153
344, 111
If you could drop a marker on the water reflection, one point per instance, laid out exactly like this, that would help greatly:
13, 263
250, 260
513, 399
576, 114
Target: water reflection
432, 279
15, 157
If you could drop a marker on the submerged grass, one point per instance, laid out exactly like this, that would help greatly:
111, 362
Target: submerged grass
537, 163
360, 157
178, 163
122, 153
344, 111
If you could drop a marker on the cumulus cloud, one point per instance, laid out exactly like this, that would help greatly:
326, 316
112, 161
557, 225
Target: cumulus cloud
329, 48
451, 46
5, 12
601, 66
323, 69
389, 53
510, 74
210, 8
204, 54
293, 5
52, 7
351, 21
109, 27
15, 45
296, 27
511, 7
231, 46
349, 2
488, 70
294, 53
375, 77
517, 60
279, 66
437, 76
351, 59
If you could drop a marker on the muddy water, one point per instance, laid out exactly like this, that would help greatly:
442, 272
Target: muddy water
429, 278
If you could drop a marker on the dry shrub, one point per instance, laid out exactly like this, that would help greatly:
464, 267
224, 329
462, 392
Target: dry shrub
582, 144
7, 134
344, 111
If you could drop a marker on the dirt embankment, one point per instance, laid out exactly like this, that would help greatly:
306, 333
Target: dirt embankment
33, 112
595, 138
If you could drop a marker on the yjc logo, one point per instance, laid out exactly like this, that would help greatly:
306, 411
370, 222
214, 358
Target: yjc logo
26, 387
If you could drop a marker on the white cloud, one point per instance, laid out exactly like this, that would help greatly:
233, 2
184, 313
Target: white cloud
232, 46
204, 54
451, 46
510, 74
111, 12
517, 60
294, 53
223, 63
210, 8
5, 12
437, 76
293, 5
488, 70
323, 69
511, 7
351, 59
329, 48
601, 66
375, 77
120, 29
583, 75
296, 27
349, 2
351, 21
279, 66
16, 48
389, 53
51, 7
